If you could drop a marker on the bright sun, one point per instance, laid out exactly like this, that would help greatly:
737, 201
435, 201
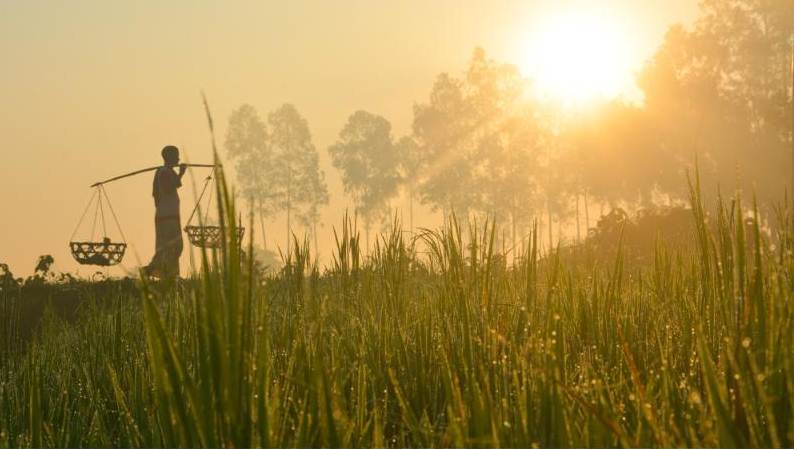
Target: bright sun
577, 57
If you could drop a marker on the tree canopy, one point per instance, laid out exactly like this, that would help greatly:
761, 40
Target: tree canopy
369, 164
277, 163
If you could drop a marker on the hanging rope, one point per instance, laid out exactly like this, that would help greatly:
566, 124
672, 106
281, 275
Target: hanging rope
113, 213
94, 251
205, 235
96, 215
85, 212
207, 212
198, 202
102, 215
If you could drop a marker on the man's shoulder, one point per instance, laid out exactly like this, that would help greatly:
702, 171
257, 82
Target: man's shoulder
164, 172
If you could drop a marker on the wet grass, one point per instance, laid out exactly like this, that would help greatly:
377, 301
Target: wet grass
447, 346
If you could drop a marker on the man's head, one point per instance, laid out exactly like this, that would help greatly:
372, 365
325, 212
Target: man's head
170, 155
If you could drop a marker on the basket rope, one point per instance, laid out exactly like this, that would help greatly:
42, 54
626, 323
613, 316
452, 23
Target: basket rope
96, 216
113, 213
198, 202
102, 216
203, 235
82, 217
94, 252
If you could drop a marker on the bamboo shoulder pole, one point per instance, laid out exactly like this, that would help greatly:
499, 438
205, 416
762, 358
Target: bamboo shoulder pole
144, 170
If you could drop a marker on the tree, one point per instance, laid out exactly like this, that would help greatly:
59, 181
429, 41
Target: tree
716, 92
247, 144
7, 280
412, 165
510, 164
365, 155
614, 155
441, 128
317, 197
295, 184
720, 90
479, 140
461, 131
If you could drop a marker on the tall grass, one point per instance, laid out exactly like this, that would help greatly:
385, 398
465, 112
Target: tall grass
434, 341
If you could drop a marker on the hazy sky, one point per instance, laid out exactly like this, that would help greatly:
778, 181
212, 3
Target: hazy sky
92, 89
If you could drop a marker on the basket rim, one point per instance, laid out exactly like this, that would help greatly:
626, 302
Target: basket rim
108, 244
112, 252
195, 227
209, 236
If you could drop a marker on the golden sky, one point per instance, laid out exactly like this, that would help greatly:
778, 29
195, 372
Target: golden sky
92, 89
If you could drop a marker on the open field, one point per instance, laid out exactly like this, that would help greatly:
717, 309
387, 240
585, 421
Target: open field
490, 224
444, 347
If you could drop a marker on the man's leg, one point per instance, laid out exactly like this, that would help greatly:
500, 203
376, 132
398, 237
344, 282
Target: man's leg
175, 245
168, 248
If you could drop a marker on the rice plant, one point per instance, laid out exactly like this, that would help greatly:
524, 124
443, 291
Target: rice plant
434, 341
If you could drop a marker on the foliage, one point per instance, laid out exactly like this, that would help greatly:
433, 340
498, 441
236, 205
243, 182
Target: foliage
463, 131
639, 237
433, 342
277, 163
7, 279
295, 174
720, 89
482, 144
411, 167
247, 144
369, 163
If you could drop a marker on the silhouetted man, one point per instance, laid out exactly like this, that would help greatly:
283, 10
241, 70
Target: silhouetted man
167, 225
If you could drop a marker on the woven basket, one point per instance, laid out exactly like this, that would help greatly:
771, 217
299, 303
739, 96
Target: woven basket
209, 236
104, 254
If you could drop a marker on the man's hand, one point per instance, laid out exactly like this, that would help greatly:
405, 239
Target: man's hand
182, 169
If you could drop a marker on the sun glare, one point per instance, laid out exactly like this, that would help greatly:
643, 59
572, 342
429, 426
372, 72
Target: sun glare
577, 57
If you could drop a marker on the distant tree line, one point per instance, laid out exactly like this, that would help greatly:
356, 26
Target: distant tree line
277, 165
480, 144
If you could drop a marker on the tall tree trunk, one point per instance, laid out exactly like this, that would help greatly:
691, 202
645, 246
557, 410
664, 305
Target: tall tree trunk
551, 239
559, 232
513, 227
411, 208
289, 211
504, 242
314, 231
578, 230
262, 225
586, 216
289, 229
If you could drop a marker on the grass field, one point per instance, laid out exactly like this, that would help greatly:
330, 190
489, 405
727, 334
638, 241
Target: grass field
447, 346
